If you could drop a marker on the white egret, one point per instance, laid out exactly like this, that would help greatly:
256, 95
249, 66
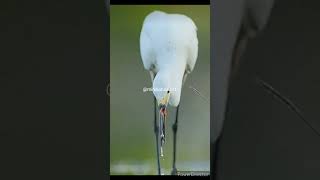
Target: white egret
169, 51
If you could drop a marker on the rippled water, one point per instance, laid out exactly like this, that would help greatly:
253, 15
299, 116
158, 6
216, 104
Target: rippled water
148, 168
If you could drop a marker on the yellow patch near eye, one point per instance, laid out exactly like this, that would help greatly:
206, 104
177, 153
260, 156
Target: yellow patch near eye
165, 99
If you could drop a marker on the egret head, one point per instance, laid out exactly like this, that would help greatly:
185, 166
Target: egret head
167, 89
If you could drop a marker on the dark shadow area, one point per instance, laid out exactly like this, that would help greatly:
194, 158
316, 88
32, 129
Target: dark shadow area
53, 75
262, 138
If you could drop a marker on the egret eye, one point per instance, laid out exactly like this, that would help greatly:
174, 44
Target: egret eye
168, 91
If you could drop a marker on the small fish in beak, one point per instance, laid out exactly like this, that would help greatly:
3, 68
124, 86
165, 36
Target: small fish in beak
163, 113
163, 117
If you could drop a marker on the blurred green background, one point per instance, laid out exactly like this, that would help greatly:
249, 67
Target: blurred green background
132, 140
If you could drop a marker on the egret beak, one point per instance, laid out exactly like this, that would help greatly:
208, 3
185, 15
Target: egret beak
165, 99
163, 103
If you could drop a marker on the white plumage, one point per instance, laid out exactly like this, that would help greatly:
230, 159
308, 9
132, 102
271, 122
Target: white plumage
169, 50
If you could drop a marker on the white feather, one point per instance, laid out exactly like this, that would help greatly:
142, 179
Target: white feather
169, 48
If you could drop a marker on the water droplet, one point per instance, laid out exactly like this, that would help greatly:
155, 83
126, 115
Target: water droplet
161, 152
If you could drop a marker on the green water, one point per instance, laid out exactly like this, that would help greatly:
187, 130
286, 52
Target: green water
132, 141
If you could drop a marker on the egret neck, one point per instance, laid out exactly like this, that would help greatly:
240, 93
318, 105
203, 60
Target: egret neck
169, 78
167, 89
